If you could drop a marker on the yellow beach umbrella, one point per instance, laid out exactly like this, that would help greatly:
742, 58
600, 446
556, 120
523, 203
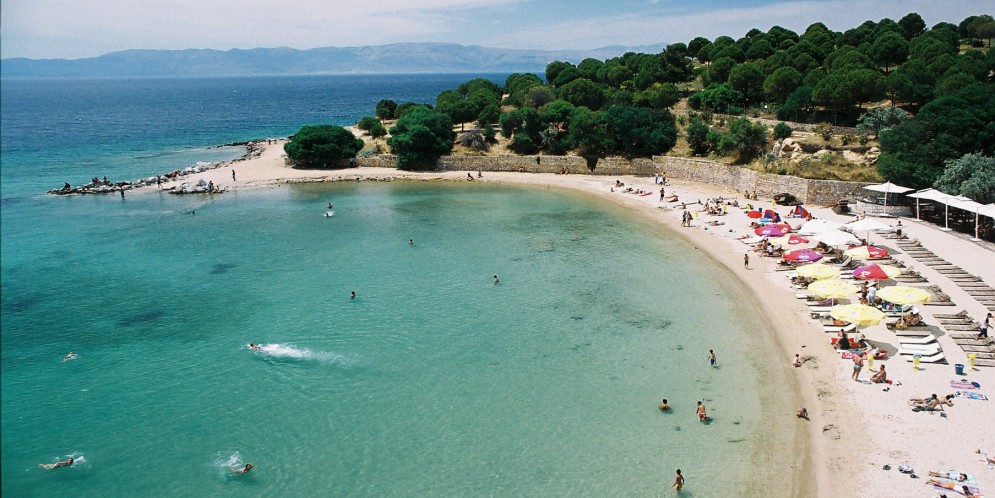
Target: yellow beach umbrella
818, 271
901, 294
860, 315
831, 288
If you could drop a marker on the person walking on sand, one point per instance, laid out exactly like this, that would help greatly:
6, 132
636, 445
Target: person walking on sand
746, 261
983, 331
711, 357
233, 174
858, 364
678, 481
662, 194
702, 414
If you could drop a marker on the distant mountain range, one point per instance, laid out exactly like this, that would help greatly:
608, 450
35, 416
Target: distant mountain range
380, 59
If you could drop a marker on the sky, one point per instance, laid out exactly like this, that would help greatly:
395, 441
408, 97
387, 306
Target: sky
72, 29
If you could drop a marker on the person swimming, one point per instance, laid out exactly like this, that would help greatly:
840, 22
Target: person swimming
243, 470
49, 466
70, 356
664, 406
496, 279
330, 205
352, 295
254, 347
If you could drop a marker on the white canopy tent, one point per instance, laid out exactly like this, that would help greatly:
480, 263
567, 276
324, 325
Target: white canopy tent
836, 238
958, 202
887, 188
818, 226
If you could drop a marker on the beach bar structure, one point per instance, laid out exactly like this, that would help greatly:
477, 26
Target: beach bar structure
887, 189
982, 215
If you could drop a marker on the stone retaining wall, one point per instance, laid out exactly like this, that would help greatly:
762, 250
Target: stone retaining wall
822, 192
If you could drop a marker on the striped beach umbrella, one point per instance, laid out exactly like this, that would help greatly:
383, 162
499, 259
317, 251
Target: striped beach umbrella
866, 252
805, 254
818, 271
876, 272
833, 288
860, 315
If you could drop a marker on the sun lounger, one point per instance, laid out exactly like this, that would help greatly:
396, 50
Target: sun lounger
934, 358
820, 309
836, 328
913, 332
920, 350
926, 339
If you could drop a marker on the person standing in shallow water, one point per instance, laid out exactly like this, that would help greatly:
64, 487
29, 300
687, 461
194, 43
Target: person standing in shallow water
711, 357
497, 280
678, 481
352, 295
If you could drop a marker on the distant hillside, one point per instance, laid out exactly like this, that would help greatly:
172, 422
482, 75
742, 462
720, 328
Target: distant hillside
396, 58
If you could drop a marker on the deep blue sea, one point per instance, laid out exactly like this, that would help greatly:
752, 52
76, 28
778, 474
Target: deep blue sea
433, 381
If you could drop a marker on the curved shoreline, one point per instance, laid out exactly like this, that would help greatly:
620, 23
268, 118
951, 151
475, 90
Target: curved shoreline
812, 460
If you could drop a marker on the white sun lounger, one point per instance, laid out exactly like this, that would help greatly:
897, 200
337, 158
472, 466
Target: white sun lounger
836, 328
819, 309
922, 351
935, 358
917, 340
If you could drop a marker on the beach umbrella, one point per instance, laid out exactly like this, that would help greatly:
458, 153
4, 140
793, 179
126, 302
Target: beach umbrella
819, 226
901, 294
753, 214
866, 252
868, 225
805, 254
791, 240
833, 288
818, 271
887, 188
835, 238
876, 272
770, 231
860, 315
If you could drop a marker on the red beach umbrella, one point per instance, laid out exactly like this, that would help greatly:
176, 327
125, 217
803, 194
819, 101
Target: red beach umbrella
783, 226
754, 214
769, 231
875, 272
803, 255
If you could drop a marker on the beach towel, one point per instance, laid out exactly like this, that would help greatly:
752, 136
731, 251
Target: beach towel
952, 477
957, 384
971, 395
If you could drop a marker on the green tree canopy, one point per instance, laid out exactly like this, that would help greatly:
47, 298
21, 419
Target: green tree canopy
889, 50
696, 135
744, 138
640, 132
583, 93
717, 98
322, 146
420, 138
748, 79
782, 82
971, 175
456, 106
385, 109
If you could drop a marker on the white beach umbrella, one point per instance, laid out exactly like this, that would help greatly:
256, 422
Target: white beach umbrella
887, 188
818, 226
867, 225
836, 238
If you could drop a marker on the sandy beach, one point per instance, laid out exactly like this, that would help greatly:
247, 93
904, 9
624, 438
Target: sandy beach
855, 428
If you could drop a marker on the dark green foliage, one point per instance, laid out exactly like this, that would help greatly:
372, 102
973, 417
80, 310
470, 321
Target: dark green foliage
378, 130
639, 132
716, 98
557, 111
480, 84
842, 90
782, 82
697, 136
589, 68
489, 114
523, 144
798, 105
718, 71
420, 138
456, 106
912, 25
744, 138
583, 93
538, 96
587, 134
747, 79
659, 97
405, 108
914, 152
385, 109
553, 69
321, 146
782, 130
489, 134
889, 50
876, 120
694, 46
517, 85
510, 121
367, 123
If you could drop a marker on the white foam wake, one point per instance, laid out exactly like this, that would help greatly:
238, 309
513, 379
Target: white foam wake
285, 351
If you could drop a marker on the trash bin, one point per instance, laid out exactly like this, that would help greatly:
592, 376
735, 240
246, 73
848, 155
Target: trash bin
959, 368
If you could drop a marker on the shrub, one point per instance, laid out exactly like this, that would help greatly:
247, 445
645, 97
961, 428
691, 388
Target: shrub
782, 131
322, 145
367, 123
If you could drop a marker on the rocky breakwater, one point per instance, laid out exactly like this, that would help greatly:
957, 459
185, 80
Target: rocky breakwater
201, 187
97, 186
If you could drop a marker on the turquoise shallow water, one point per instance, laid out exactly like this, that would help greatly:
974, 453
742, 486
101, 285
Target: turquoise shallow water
433, 382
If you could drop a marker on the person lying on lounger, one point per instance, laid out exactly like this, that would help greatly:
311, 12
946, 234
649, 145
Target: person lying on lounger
912, 320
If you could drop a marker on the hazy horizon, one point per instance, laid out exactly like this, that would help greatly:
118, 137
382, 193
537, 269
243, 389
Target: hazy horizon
51, 29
